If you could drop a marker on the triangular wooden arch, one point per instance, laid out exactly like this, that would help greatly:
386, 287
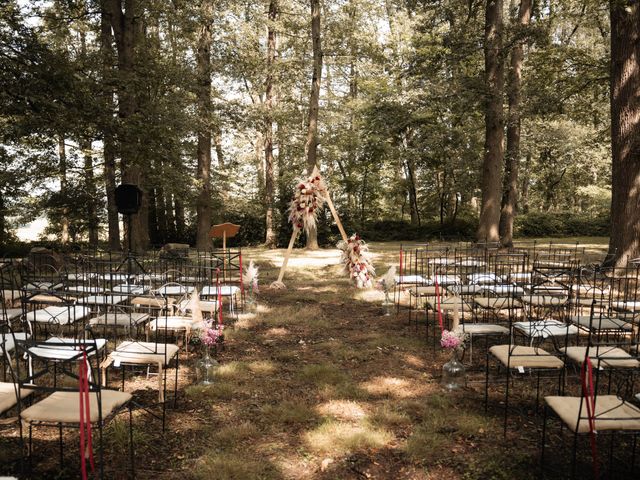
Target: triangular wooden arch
278, 283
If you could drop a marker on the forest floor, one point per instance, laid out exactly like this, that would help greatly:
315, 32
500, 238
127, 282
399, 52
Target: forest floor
319, 384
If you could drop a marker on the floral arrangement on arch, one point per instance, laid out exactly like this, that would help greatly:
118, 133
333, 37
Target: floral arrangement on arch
309, 196
453, 339
357, 261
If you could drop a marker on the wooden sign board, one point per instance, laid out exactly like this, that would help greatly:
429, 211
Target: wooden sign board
224, 231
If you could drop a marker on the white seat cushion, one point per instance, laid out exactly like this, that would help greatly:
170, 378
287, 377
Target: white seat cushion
602, 356
59, 315
9, 343
10, 313
120, 319
144, 353
55, 351
484, 329
225, 291
612, 413
64, 407
173, 322
8, 398
545, 328
525, 357
102, 300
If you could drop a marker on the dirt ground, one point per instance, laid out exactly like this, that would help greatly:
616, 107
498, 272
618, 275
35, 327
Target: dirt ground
318, 383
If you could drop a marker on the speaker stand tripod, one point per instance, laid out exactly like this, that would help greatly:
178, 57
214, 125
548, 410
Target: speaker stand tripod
130, 257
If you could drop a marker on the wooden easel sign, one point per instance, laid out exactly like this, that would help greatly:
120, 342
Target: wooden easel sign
224, 231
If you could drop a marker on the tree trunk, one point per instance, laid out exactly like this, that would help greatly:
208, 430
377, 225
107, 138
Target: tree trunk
203, 58
170, 215
488, 229
125, 17
4, 235
64, 219
161, 215
270, 237
107, 136
90, 187
311, 146
510, 193
413, 194
179, 215
153, 217
624, 242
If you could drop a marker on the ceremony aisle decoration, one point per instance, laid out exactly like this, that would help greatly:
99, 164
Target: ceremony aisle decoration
250, 282
386, 284
357, 261
453, 372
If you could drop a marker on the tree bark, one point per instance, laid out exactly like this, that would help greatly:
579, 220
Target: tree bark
488, 229
270, 237
311, 146
203, 58
624, 242
179, 215
125, 19
107, 136
90, 187
64, 219
510, 192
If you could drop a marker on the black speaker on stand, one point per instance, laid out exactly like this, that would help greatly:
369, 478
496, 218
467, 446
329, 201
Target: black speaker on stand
128, 202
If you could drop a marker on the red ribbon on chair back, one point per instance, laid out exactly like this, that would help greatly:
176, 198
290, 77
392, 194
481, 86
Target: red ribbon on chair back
86, 447
219, 297
241, 280
588, 392
438, 304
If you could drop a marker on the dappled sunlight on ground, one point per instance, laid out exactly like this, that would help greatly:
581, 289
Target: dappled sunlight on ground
342, 410
339, 438
394, 387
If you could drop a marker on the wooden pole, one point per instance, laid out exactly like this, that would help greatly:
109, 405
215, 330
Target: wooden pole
294, 235
336, 218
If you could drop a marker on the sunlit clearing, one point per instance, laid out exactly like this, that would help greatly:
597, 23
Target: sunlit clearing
369, 295
341, 438
394, 387
276, 332
342, 410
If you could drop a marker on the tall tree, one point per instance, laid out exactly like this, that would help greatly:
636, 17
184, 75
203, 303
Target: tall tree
510, 192
624, 242
126, 21
64, 219
488, 229
270, 237
311, 145
203, 58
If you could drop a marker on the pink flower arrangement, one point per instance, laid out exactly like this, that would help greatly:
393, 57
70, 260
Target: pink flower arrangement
452, 339
211, 335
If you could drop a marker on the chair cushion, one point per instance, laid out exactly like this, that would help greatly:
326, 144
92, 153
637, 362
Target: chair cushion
173, 322
10, 313
64, 407
484, 329
601, 323
8, 395
408, 279
526, 357
496, 303
423, 291
603, 356
225, 291
144, 353
544, 300
154, 302
9, 343
612, 413
120, 319
59, 315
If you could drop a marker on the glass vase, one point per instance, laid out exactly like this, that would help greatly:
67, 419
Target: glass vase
454, 372
387, 304
206, 368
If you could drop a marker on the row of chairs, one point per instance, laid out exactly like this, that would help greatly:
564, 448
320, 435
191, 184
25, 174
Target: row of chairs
71, 324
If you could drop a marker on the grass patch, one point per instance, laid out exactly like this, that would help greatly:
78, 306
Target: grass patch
229, 437
426, 446
116, 434
220, 390
341, 438
322, 374
288, 413
387, 416
234, 467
